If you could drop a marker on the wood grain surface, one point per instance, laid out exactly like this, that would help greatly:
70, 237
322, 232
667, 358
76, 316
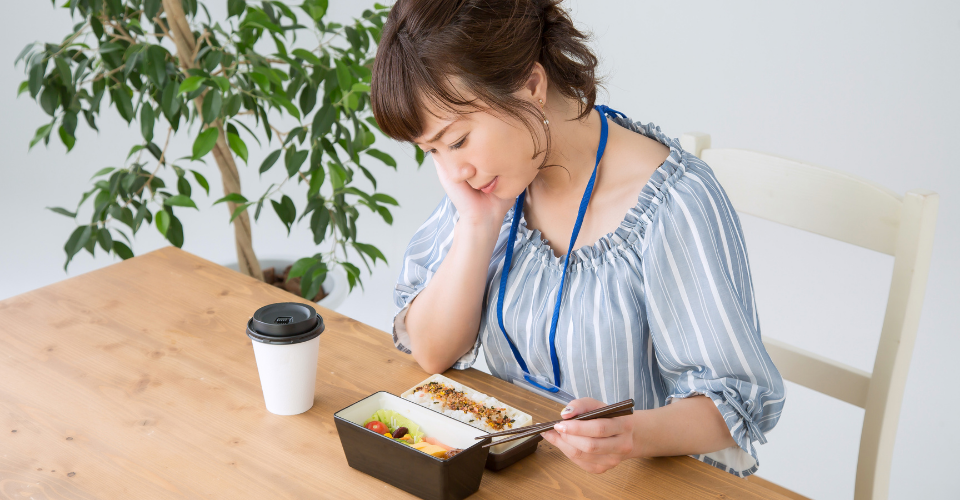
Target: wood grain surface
137, 381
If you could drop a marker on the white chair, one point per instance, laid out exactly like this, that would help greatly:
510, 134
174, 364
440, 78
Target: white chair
843, 207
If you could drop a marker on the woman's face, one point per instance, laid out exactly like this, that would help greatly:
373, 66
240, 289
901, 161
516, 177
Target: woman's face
492, 154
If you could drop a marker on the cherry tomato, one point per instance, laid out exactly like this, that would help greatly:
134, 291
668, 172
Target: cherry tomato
377, 427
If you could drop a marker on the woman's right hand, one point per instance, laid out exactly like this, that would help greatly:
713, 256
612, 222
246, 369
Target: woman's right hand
474, 206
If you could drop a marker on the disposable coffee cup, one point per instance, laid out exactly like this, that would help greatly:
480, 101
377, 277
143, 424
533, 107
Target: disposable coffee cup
286, 343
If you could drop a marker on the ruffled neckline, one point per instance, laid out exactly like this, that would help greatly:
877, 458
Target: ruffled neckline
632, 228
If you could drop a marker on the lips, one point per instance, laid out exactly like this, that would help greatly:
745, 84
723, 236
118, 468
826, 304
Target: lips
490, 186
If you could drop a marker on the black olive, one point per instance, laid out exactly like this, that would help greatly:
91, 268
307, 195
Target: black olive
400, 432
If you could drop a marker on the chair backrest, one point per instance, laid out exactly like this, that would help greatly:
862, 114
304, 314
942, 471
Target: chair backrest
850, 209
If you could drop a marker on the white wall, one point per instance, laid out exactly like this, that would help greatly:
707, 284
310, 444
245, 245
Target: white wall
866, 87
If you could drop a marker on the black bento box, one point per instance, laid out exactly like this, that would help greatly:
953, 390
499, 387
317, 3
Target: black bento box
407, 468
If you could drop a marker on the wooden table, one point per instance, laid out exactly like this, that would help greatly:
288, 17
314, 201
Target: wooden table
137, 381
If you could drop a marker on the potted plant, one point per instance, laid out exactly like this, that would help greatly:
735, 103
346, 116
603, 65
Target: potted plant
168, 66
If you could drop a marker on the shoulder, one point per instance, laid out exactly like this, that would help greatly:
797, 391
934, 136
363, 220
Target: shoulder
690, 204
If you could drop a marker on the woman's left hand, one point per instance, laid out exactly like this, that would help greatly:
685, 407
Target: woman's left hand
595, 445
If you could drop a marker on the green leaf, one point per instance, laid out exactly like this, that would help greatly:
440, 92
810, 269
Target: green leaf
383, 198
236, 7
122, 100
122, 250
370, 250
315, 9
300, 267
212, 103
261, 80
179, 201
146, 122
419, 154
183, 186
222, 82
286, 210
203, 181
205, 142
316, 181
155, 65
353, 273
323, 121
63, 68
175, 232
360, 87
41, 134
68, 140
385, 214
343, 76
232, 198
308, 56
269, 161
239, 210
232, 106
24, 86
35, 78
70, 123
63, 211
163, 221
286, 104
384, 157
308, 98
103, 171
313, 280
191, 84
105, 240
294, 159
318, 223
78, 239
169, 102
238, 146
50, 100
150, 10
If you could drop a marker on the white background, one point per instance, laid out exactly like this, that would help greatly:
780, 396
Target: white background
870, 88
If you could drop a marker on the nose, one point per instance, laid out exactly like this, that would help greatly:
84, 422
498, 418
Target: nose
462, 173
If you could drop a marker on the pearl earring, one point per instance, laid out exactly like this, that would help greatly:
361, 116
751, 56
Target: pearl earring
545, 121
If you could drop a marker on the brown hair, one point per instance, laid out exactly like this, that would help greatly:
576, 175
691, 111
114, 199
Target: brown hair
489, 47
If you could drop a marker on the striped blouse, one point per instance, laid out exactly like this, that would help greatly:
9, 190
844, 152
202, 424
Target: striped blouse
660, 309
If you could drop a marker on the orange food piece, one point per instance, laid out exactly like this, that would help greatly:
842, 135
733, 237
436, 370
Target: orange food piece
435, 442
430, 449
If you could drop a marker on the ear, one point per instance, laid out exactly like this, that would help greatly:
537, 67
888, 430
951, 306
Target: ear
536, 86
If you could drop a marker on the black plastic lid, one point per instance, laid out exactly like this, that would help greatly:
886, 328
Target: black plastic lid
285, 323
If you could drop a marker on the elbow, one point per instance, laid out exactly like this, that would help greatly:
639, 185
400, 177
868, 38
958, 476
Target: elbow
430, 364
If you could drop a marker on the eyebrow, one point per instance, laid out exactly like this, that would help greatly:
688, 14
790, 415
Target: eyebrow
442, 131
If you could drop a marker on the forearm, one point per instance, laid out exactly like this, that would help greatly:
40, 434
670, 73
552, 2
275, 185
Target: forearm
687, 426
444, 319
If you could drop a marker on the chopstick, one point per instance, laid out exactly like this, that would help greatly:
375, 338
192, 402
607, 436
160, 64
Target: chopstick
620, 409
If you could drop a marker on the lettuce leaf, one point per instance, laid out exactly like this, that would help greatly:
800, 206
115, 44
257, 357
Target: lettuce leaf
394, 420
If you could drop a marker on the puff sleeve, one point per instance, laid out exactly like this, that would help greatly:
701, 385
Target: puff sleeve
422, 258
702, 315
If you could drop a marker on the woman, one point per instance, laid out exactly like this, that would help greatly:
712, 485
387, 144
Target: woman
651, 299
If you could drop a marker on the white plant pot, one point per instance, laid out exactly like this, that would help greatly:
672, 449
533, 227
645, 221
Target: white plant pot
335, 284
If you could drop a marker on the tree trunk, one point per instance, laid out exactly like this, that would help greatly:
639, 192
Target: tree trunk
186, 51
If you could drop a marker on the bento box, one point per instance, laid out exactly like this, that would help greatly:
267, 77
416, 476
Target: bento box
434, 393
415, 471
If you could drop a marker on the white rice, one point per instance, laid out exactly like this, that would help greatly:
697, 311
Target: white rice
424, 399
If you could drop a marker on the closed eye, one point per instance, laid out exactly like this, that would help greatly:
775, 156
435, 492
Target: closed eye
459, 144
453, 147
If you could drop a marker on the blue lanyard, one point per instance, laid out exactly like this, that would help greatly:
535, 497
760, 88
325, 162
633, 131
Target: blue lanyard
508, 261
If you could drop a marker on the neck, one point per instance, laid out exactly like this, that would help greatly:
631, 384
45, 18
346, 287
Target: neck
573, 149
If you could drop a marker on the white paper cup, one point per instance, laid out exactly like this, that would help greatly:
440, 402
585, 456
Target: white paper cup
286, 344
